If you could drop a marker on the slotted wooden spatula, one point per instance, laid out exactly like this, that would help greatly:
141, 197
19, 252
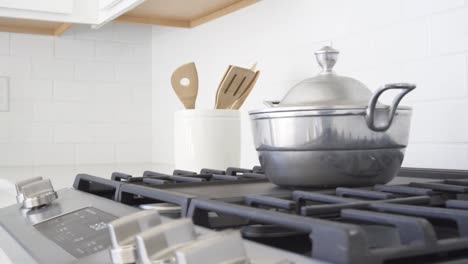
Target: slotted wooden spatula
238, 103
235, 83
184, 81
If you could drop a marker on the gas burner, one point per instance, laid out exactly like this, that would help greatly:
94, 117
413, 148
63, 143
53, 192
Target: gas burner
413, 223
413, 220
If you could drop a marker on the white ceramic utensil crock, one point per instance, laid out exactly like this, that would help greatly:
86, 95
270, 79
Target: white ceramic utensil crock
207, 138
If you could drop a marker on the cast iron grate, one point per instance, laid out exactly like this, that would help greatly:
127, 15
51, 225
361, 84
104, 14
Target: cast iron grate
413, 223
150, 187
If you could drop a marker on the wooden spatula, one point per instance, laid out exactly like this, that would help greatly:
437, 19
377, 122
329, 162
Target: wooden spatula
234, 84
184, 81
238, 103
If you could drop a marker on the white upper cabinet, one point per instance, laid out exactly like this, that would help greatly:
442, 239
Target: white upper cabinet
52, 6
111, 9
93, 12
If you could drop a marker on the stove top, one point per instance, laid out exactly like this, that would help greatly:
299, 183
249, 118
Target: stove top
414, 219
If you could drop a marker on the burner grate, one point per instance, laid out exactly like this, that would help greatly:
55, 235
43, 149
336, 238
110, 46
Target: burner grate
420, 222
153, 187
414, 223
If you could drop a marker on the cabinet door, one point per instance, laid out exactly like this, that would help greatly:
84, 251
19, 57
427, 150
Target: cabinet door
110, 9
50, 6
91, 12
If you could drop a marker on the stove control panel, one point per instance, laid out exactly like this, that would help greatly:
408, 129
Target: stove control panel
80, 233
35, 192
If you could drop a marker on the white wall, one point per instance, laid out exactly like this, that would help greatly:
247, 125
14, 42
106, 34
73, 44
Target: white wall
421, 41
81, 98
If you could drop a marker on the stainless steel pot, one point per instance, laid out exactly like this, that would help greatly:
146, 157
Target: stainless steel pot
325, 132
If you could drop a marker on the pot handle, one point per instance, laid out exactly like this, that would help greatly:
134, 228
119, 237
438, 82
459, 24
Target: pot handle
271, 103
370, 111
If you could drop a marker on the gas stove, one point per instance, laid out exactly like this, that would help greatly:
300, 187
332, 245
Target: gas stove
237, 216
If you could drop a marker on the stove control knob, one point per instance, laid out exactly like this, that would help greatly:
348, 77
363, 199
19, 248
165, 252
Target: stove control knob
228, 245
19, 185
35, 192
157, 245
123, 231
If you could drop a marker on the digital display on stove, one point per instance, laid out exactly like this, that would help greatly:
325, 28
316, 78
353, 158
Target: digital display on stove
80, 233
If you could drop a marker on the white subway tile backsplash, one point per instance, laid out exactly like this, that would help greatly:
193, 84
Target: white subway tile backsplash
440, 121
14, 154
131, 132
53, 154
106, 32
142, 94
132, 33
113, 51
415, 8
30, 90
64, 112
15, 67
163, 139
141, 53
366, 14
439, 156
115, 92
133, 152
403, 41
106, 112
436, 78
95, 71
134, 72
73, 48
18, 111
107, 133
67, 106
4, 132
95, 153
450, 32
52, 69
74, 91
134, 132
134, 112
4, 43
398, 42
73, 133
40, 133
30, 132
26, 45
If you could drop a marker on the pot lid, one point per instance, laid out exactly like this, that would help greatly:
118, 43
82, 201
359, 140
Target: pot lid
327, 89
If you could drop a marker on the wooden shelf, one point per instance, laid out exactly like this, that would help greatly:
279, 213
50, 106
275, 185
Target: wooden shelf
182, 13
174, 13
32, 26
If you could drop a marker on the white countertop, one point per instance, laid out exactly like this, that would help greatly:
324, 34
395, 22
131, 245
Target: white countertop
63, 176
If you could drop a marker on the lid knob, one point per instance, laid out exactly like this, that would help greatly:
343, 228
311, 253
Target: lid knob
326, 58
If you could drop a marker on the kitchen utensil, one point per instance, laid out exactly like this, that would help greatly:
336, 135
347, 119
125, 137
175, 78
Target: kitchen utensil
238, 103
330, 130
235, 83
184, 81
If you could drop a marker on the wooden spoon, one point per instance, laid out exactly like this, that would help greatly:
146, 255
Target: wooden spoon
185, 84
